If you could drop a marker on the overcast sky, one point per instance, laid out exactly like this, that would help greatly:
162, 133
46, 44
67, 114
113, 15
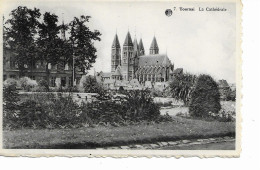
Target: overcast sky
199, 42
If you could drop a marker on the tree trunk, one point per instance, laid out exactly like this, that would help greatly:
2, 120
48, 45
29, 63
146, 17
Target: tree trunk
47, 76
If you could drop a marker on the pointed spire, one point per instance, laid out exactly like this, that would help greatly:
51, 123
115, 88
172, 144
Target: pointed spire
141, 47
116, 43
128, 40
154, 49
136, 46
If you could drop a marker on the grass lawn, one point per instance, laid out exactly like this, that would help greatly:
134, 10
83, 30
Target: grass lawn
87, 138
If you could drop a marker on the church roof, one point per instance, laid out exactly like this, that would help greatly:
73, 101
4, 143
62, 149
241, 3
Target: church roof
141, 46
116, 43
154, 44
106, 74
154, 60
223, 83
178, 71
128, 40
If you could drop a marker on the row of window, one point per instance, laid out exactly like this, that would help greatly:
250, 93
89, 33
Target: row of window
63, 66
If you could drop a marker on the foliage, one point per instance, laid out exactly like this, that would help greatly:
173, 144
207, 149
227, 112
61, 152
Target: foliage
140, 105
231, 95
205, 97
20, 34
156, 93
50, 47
182, 86
31, 40
89, 84
27, 84
43, 84
82, 40
60, 111
10, 103
10, 82
223, 116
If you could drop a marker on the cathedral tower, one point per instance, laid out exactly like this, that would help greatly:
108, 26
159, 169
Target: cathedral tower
115, 54
127, 58
154, 49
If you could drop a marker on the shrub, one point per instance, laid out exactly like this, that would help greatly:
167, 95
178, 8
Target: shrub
10, 104
10, 82
205, 97
156, 93
27, 84
89, 84
182, 86
43, 85
231, 95
141, 105
60, 111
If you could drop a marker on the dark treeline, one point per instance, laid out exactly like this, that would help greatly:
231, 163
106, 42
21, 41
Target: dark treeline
33, 36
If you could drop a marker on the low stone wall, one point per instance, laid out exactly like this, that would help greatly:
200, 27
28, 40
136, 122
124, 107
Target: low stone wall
77, 97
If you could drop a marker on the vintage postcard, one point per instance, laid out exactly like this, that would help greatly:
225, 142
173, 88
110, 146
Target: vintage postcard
121, 78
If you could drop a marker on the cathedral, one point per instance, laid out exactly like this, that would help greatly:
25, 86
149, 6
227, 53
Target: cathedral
131, 62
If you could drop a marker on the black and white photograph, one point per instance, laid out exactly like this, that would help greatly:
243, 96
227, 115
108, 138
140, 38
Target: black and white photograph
121, 78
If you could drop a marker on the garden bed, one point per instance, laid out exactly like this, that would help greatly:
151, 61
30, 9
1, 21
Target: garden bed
102, 136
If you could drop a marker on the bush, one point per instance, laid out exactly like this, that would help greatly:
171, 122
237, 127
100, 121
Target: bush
156, 93
205, 98
10, 82
43, 85
182, 86
60, 111
89, 84
140, 105
10, 103
27, 84
231, 95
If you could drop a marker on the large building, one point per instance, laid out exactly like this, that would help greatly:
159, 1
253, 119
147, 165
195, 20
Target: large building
60, 75
131, 62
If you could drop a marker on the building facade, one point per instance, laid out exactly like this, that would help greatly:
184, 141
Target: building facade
59, 74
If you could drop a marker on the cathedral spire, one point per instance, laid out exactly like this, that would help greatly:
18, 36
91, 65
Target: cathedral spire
136, 47
154, 49
128, 40
141, 47
116, 43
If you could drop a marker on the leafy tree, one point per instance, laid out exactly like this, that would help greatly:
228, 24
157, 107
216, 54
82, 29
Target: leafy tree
205, 98
20, 35
82, 40
181, 87
90, 85
49, 44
